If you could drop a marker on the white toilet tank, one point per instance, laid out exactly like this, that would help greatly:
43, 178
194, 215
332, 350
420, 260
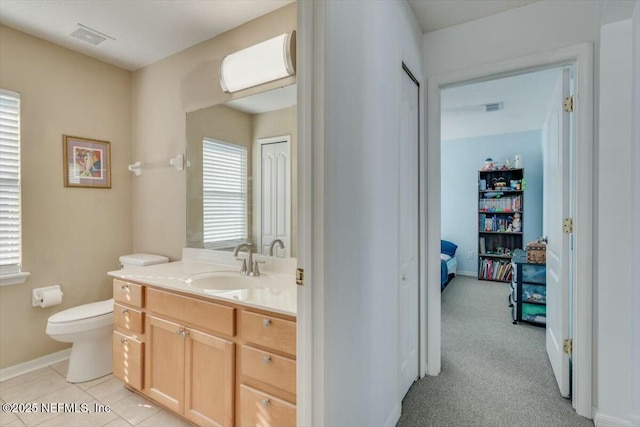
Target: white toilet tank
140, 260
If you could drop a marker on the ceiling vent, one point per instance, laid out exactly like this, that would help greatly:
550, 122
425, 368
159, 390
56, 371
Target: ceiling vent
89, 35
495, 106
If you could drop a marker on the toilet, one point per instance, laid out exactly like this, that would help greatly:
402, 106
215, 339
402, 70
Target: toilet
90, 328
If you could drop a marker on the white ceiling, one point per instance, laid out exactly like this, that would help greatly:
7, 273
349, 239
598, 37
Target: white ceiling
436, 14
146, 31
525, 99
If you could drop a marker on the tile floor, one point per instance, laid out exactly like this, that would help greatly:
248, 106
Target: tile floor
48, 386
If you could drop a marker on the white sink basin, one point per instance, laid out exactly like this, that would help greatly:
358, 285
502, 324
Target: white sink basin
226, 280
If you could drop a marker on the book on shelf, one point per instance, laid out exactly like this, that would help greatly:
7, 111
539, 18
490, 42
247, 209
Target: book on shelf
494, 223
507, 204
495, 270
483, 249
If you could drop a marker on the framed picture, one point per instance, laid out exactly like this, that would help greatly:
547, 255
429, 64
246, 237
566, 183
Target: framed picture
87, 162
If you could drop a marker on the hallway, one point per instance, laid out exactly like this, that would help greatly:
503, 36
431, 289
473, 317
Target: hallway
494, 373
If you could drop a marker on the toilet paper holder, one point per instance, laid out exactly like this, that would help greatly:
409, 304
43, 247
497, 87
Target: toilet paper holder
37, 294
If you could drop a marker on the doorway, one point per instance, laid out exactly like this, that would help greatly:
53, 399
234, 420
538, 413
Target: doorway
580, 57
505, 151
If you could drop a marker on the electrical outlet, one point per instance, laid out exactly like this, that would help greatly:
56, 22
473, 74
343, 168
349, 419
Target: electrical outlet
470, 255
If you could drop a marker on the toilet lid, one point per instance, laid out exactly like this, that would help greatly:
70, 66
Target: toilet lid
85, 311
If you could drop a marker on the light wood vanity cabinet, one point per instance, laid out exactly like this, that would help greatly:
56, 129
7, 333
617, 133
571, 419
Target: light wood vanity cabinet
128, 341
267, 370
128, 293
128, 359
188, 369
212, 362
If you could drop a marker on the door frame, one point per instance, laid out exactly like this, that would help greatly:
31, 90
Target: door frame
581, 57
310, 378
257, 188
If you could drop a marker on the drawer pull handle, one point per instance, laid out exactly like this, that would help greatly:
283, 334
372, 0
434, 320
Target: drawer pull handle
185, 332
123, 340
266, 402
266, 359
179, 331
124, 311
266, 323
123, 287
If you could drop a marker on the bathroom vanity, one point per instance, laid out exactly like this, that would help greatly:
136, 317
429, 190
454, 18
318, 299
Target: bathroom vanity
215, 347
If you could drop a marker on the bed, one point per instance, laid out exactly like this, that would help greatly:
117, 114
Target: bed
448, 262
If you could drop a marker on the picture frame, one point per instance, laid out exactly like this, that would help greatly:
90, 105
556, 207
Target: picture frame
86, 162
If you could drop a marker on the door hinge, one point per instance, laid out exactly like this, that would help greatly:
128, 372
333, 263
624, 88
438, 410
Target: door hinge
300, 276
568, 104
567, 225
568, 346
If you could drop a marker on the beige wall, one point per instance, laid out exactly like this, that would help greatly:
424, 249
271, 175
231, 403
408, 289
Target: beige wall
278, 123
71, 236
218, 122
161, 95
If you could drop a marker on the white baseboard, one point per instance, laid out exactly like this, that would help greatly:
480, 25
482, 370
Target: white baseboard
22, 368
467, 273
601, 420
395, 416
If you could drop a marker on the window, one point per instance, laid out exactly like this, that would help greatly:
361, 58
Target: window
224, 193
10, 237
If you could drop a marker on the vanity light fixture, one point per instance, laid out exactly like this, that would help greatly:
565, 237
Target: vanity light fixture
269, 60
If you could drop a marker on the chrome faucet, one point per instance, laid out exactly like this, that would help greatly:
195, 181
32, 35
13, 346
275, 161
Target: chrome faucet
279, 242
245, 270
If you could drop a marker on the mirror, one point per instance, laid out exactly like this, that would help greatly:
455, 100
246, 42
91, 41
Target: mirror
241, 174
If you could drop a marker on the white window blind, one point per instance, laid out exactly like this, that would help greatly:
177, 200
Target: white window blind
9, 182
224, 184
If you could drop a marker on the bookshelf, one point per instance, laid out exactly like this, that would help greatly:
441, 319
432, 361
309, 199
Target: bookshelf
500, 221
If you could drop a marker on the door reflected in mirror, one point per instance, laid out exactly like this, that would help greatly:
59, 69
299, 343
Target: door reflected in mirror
241, 178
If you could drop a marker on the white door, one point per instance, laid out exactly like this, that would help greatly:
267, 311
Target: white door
408, 235
275, 196
556, 208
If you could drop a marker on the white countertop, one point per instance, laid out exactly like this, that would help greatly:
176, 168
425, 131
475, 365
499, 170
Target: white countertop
200, 270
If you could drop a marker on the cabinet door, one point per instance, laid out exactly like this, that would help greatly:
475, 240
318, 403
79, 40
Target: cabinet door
268, 331
268, 369
258, 409
164, 360
127, 359
128, 318
209, 381
128, 293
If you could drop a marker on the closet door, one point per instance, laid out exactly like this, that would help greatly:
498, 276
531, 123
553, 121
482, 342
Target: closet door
408, 244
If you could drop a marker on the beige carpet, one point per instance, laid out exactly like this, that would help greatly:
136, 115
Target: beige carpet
494, 373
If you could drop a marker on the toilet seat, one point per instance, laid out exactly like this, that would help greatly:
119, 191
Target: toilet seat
82, 318
82, 312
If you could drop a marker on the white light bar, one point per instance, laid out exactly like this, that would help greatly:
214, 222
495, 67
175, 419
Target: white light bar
270, 60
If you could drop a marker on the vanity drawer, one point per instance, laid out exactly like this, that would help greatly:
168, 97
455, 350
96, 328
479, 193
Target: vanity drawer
268, 368
128, 360
203, 314
128, 293
258, 409
128, 318
267, 331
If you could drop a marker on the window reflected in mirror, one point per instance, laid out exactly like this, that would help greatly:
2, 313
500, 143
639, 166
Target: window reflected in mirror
242, 174
224, 194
